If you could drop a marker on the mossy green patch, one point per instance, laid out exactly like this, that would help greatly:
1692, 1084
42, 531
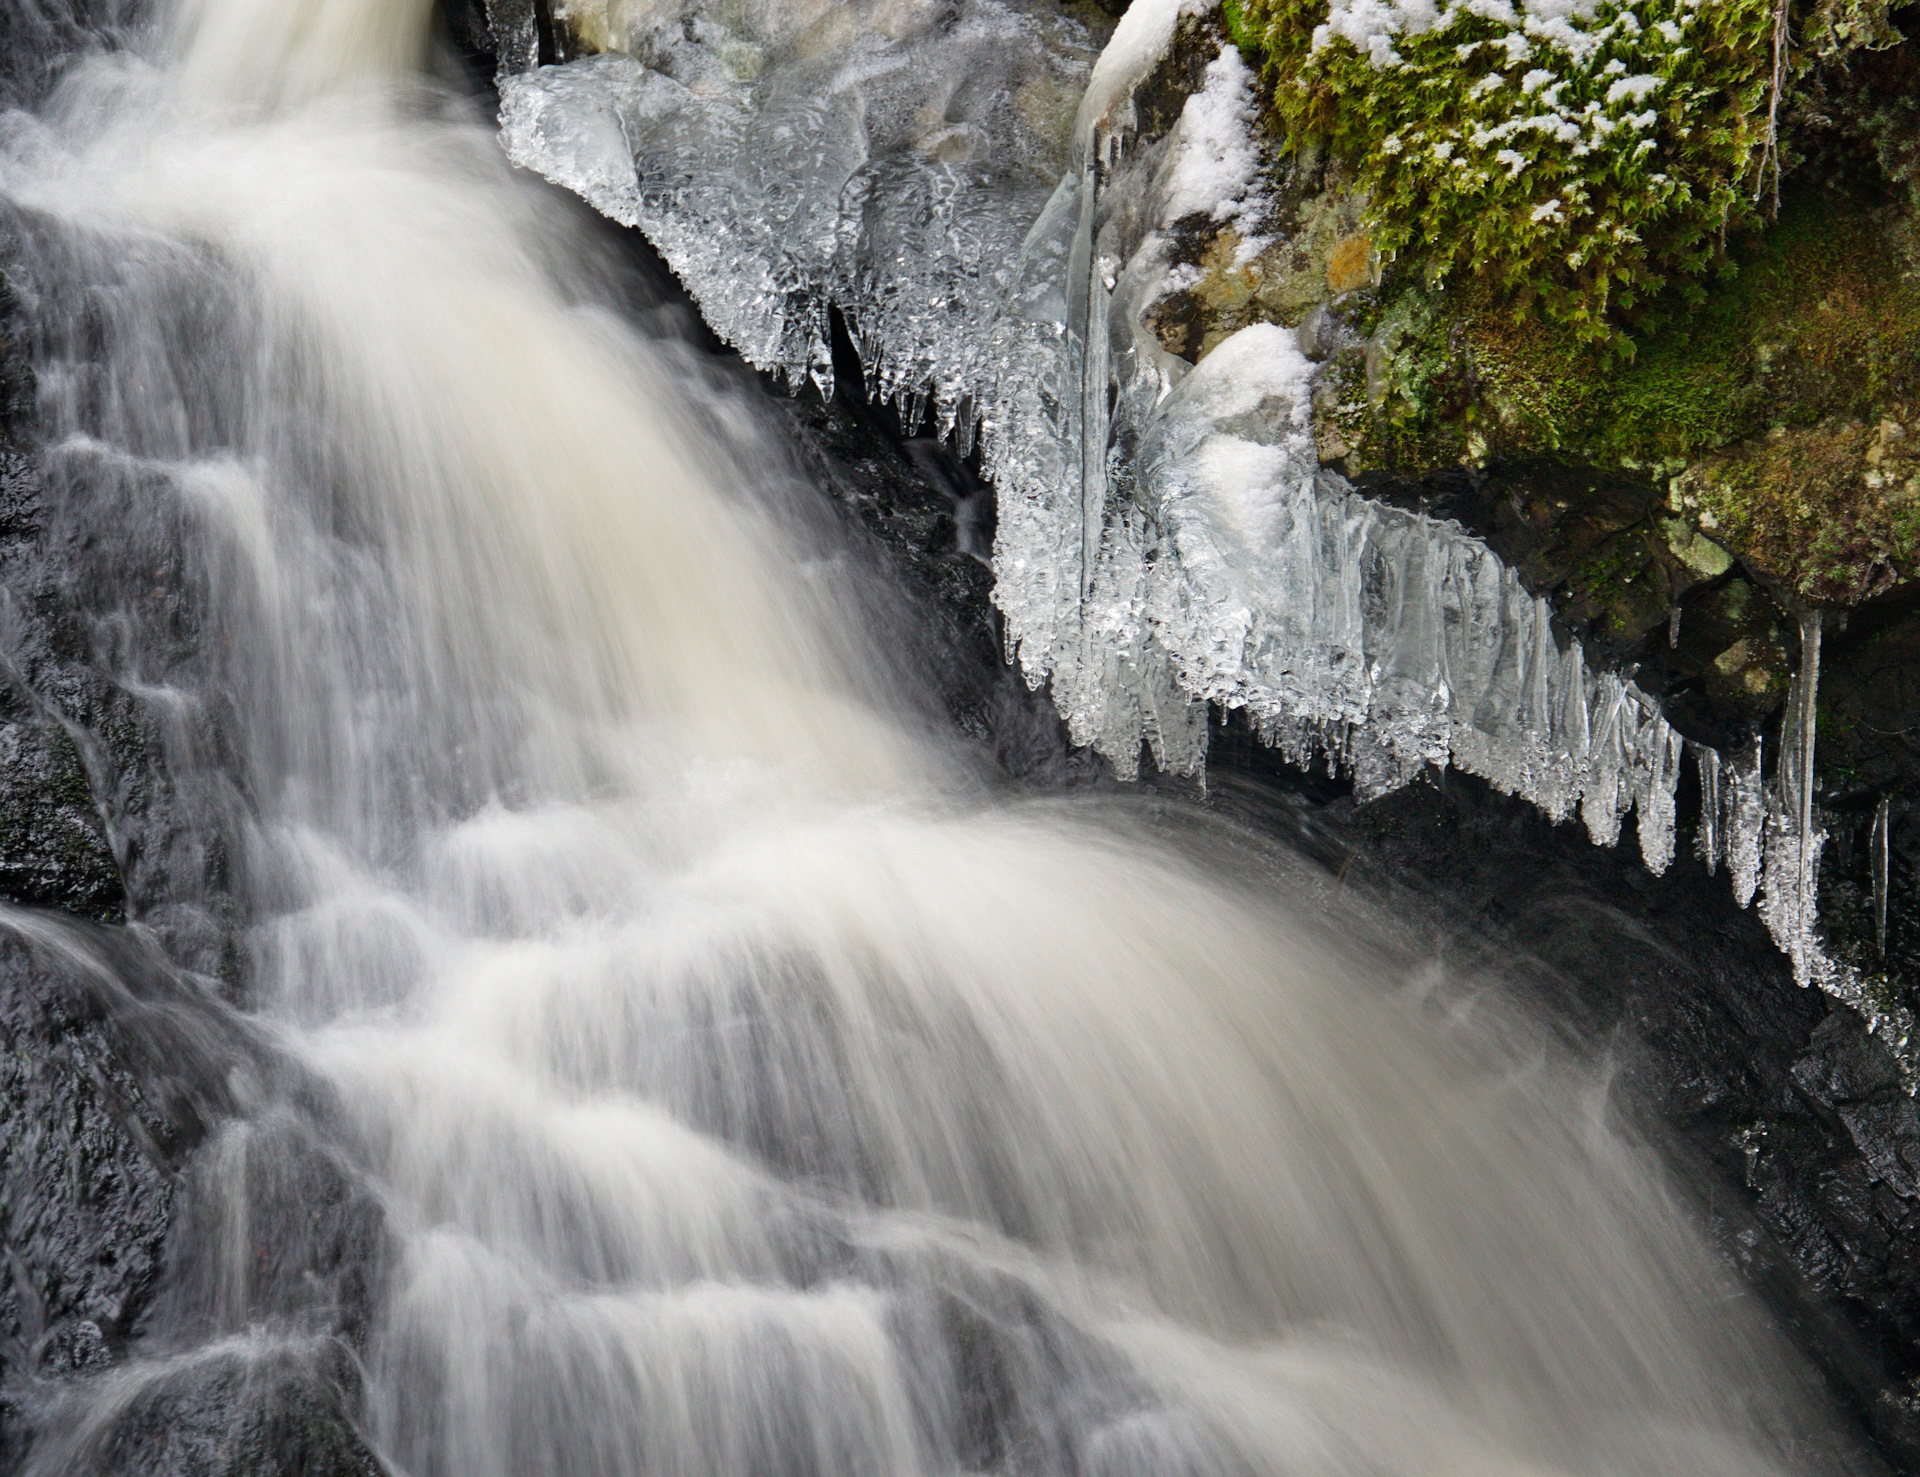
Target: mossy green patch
1817, 322
1831, 510
1774, 390
1587, 166
1578, 167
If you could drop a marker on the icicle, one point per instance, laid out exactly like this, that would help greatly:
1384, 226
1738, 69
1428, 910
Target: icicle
1880, 829
1600, 806
1710, 842
1095, 383
966, 417
1746, 817
1659, 764
1087, 297
1807, 717
1791, 844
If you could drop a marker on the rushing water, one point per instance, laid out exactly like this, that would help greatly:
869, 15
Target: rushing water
747, 1091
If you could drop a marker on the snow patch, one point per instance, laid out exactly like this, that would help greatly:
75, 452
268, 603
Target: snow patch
1215, 162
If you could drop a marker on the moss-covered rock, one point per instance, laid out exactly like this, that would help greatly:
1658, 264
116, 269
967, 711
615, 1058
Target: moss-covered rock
1831, 510
1577, 168
1781, 410
1586, 166
1769, 375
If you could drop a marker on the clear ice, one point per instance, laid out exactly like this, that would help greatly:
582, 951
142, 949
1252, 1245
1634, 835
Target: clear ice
968, 188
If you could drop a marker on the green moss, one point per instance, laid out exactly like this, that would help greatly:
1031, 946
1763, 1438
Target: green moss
1243, 30
1790, 399
1590, 179
1578, 179
1818, 322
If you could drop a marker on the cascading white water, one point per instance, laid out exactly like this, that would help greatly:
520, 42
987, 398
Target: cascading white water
747, 1093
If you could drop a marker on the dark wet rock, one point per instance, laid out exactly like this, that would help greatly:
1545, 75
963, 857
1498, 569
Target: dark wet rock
148, 1231
53, 844
245, 1408
54, 850
275, 1227
1843, 1065
1716, 641
1781, 1117
87, 1190
111, 1068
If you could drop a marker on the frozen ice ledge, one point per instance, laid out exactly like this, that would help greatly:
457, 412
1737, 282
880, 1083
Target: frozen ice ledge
970, 184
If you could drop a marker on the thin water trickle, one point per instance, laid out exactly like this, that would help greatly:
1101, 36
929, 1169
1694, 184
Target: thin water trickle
745, 1092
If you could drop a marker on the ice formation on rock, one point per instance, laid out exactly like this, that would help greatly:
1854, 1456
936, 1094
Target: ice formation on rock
1168, 544
885, 158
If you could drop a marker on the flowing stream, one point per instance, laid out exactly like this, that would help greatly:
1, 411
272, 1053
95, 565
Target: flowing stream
749, 1089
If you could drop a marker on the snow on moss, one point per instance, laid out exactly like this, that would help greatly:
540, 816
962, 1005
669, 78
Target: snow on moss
1581, 154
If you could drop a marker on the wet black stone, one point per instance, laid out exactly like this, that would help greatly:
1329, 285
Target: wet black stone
53, 843
317, 1245
111, 1068
87, 1195
240, 1411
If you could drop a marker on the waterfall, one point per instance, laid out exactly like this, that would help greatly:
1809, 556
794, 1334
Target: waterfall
746, 1089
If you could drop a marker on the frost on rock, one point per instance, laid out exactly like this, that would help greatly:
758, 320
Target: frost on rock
1168, 544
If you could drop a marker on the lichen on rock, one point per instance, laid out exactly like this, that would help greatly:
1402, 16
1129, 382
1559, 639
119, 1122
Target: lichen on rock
1831, 510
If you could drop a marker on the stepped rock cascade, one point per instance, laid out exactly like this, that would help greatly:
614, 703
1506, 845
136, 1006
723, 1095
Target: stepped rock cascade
1168, 544
744, 1089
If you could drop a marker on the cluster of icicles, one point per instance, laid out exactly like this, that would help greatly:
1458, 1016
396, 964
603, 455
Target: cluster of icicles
1168, 545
